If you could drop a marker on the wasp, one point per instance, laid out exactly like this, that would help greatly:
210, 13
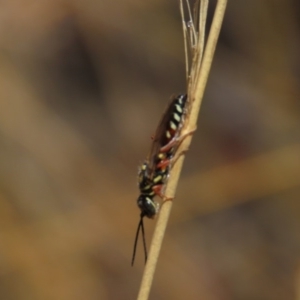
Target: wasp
154, 172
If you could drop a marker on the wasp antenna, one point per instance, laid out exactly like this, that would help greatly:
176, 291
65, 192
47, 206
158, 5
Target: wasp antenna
140, 227
144, 239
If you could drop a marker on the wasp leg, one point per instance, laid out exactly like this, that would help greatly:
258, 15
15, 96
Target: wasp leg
176, 141
158, 191
172, 160
164, 163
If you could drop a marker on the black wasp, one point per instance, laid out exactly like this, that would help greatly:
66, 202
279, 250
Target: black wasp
154, 171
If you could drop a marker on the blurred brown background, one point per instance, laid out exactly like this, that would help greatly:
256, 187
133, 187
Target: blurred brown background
82, 87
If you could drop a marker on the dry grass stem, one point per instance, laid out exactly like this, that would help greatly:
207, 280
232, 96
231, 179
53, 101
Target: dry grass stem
197, 75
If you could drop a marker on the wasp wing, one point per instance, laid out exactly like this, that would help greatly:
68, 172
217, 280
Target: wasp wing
161, 137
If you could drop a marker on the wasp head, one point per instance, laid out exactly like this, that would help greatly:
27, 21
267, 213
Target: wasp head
148, 207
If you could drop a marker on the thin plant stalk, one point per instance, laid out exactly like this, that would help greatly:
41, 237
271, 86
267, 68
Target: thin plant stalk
197, 79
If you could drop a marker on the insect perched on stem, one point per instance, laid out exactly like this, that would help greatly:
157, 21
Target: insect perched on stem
154, 172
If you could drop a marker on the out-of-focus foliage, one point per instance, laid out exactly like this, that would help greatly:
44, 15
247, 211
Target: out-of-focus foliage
82, 87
